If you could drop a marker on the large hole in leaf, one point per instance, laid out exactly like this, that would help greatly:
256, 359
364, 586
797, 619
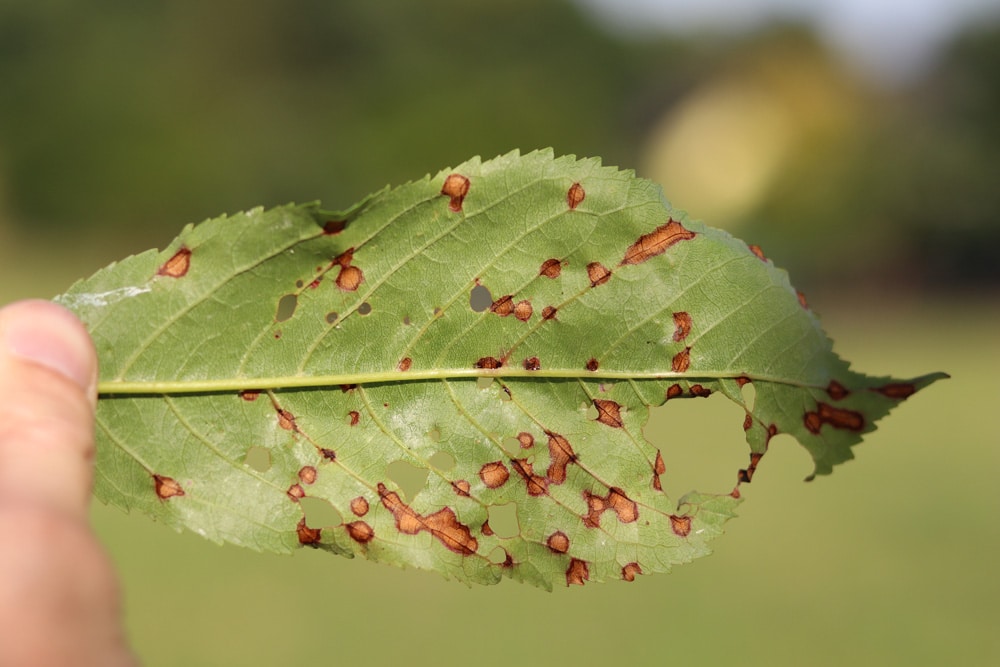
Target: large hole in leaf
410, 479
258, 458
320, 513
443, 461
286, 307
503, 520
480, 299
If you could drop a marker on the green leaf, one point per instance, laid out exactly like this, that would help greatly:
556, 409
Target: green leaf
454, 374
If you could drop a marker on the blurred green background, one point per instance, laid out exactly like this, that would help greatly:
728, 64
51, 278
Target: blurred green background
875, 185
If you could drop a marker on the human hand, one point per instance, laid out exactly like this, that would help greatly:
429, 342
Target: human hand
59, 601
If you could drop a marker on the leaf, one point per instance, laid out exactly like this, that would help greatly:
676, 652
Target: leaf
457, 371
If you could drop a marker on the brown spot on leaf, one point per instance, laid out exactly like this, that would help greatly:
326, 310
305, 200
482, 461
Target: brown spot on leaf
345, 388
609, 413
700, 391
494, 475
328, 454
656, 242
166, 487
682, 326
455, 186
294, 492
532, 364
802, 300
551, 268
404, 364
681, 361
536, 484
681, 525
598, 274
747, 422
177, 266
489, 363
344, 259
742, 380
756, 250
306, 534
359, 506
286, 420
334, 227
624, 507
349, 278
630, 571
523, 310
593, 364
526, 440
897, 390
560, 456
353, 417
486, 530
577, 572
549, 313
315, 283
360, 532
659, 467
250, 395
461, 487
674, 391
837, 391
443, 524
307, 474
575, 195
558, 542
503, 306
835, 417
746, 475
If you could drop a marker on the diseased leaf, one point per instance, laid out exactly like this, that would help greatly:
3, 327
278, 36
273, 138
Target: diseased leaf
454, 374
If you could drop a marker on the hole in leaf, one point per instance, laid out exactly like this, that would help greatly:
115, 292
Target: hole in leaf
434, 434
320, 513
286, 307
364, 308
592, 412
258, 458
498, 556
483, 382
410, 479
511, 445
480, 299
749, 395
503, 520
442, 461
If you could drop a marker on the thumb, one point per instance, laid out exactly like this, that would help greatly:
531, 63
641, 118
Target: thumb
48, 380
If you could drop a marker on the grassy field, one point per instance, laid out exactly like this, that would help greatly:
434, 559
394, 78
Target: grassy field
890, 561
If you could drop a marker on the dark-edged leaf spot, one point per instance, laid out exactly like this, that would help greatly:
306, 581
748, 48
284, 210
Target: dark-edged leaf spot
598, 274
404, 364
486, 529
359, 506
307, 535
630, 571
503, 520
299, 284
699, 391
898, 391
307, 474
802, 300
320, 513
286, 420
526, 440
360, 532
480, 299
835, 417
461, 487
494, 475
443, 524
577, 573
503, 306
575, 195
681, 361
551, 268
532, 364
258, 458
277, 334
681, 525
166, 487
593, 365
656, 242
365, 308
561, 454
334, 227
536, 484
353, 417
682, 326
626, 509
295, 493
609, 413
558, 542
349, 279
756, 250
523, 310
674, 391
250, 395
837, 391
659, 467
549, 313
328, 454
178, 264
748, 422
456, 187
488, 363
286, 307
746, 474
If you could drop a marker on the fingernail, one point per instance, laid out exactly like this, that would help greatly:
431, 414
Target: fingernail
50, 336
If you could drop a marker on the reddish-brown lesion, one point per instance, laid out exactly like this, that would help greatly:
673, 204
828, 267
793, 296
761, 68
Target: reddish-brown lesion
551, 268
609, 413
178, 264
536, 484
561, 454
250, 395
624, 507
306, 534
307, 474
532, 364
837, 391
897, 390
841, 418
659, 467
549, 312
295, 492
334, 227
360, 531
577, 572
404, 364
700, 391
674, 391
593, 365
681, 361
286, 420
353, 417
456, 187
558, 542
443, 524
166, 487
598, 274
359, 506
758, 252
681, 525
461, 487
489, 363
746, 474
494, 474
657, 242
503, 306
575, 195
486, 529
523, 310
630, 571
682, 326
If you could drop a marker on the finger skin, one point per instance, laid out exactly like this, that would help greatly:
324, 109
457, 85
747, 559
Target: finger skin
59, 599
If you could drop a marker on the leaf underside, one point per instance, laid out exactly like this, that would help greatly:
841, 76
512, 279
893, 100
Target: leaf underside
497, 332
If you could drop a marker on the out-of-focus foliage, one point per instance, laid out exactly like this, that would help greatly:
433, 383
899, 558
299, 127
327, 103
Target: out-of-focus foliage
127, 116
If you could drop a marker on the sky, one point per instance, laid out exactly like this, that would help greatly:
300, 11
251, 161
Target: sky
892, 40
